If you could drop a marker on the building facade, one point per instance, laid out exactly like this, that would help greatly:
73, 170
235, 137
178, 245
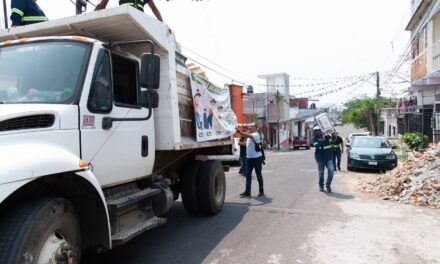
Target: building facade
421, 112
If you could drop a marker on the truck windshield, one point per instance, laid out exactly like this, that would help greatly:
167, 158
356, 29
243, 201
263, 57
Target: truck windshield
41, 72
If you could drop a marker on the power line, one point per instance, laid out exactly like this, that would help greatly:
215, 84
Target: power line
415, 35
338, 89
215, 71
208, 60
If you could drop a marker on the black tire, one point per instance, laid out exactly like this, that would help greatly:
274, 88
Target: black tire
307, 148
211, 187
188, 187
33, 227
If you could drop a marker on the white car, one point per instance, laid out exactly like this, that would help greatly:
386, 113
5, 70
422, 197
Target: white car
357, 134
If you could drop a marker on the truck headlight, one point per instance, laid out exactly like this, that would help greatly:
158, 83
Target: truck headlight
354, 156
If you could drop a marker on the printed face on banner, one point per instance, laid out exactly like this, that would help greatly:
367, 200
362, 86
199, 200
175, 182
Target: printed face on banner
213, 114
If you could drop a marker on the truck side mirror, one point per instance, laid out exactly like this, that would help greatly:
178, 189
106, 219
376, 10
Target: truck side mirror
150, 71
149, 98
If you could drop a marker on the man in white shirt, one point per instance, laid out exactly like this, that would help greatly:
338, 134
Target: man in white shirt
254, 159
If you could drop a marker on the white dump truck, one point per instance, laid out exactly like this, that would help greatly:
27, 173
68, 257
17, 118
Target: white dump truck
97, 136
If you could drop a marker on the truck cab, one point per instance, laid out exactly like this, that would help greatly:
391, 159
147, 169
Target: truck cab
96, 136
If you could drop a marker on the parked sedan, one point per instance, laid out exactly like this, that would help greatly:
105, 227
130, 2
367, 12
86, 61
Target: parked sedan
366, 152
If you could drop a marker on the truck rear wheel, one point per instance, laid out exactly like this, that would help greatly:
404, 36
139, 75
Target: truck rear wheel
41, 231
211, 187
188, 187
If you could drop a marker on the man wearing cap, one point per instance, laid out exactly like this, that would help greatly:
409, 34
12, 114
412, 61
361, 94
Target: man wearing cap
254, 159
26, 12
323, 157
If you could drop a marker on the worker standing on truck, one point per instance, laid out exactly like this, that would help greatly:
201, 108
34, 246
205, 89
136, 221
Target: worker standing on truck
338, 149
254, 159
323, 157
25, 12
138, 4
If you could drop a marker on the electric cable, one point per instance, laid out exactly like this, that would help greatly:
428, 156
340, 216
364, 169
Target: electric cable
414, 35
215, 71
208, 60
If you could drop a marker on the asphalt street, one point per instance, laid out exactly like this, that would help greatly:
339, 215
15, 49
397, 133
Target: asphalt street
249, 230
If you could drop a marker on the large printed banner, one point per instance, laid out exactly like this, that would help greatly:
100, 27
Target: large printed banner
212, 109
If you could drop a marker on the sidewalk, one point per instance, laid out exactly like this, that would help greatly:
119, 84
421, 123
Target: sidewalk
377, 231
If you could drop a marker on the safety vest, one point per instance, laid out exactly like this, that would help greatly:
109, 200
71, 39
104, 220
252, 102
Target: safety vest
323, 150
26, 12
336, 146
138, 4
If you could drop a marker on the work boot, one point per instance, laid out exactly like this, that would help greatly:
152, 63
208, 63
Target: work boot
329, 189
245, 194
321, 189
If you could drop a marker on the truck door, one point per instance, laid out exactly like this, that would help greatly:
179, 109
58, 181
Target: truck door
125, 151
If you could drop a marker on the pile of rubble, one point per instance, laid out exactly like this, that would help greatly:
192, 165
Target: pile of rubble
415, 181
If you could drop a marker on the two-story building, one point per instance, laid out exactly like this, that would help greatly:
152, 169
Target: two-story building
423, 115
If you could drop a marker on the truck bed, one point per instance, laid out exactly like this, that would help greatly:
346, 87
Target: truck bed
174, 118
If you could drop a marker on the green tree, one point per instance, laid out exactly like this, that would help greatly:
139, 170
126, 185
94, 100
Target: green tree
361, 112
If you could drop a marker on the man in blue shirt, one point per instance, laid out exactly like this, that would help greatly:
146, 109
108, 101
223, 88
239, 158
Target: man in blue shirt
25, 12
323, 157
254, 159
138, 4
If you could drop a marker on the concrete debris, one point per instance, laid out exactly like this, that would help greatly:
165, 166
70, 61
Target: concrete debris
415, 181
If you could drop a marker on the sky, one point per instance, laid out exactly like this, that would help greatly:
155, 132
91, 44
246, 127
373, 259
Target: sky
312, 41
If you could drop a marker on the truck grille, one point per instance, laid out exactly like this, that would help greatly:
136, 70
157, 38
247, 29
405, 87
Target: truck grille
27, 122
373, 157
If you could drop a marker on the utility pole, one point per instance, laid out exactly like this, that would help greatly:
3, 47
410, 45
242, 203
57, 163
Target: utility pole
278, 120
5, 14
378, 105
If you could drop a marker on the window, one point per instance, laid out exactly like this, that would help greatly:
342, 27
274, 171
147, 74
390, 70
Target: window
436, 34
100, 96
42, 72
125, 81
424, 38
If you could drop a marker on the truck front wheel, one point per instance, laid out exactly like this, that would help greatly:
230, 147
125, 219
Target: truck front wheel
211, 187
44, 230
